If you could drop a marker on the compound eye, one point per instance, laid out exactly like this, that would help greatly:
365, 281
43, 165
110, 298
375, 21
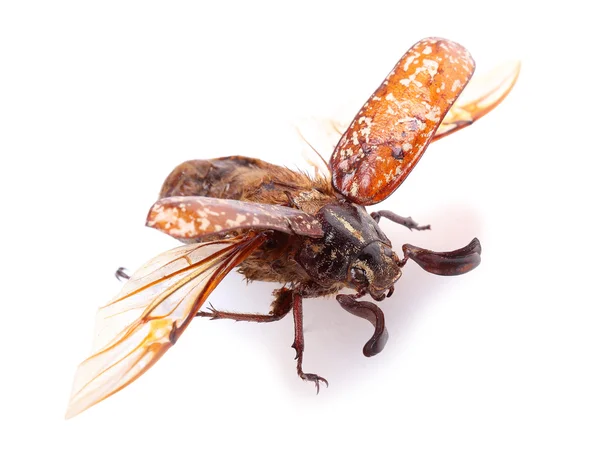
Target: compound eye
359, 276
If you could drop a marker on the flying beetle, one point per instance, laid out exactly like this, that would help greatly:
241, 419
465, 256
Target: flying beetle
312, 234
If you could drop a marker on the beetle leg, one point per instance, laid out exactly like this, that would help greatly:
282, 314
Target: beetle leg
404, 221
121, 274
291, 200
299, 342
280, 307
373, 315
449, 263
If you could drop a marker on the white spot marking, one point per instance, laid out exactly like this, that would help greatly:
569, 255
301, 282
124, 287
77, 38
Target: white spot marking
408, 61
184, 228
433, 114
205, 224
239, 219
431, 66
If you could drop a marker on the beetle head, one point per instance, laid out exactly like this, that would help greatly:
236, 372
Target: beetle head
375, 270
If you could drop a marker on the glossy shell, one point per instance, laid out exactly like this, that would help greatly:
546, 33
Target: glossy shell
193, 217
390, 133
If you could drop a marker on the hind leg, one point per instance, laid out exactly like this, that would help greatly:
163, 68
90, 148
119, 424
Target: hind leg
280, 307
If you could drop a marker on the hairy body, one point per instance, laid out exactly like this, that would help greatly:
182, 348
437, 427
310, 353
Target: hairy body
256, 181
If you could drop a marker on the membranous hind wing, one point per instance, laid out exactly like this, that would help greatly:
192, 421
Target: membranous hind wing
390, 133
194, 217
149, 314
482, 95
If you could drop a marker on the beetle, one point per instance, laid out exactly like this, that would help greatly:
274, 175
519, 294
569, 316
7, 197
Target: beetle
312, 234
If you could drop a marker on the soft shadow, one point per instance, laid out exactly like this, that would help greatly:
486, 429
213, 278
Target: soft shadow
334, 338
417, 289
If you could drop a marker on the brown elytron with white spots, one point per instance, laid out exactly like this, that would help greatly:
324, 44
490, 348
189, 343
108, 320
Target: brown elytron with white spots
311, 234
390, 133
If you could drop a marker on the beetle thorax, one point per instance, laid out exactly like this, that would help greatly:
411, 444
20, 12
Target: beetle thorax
354, 251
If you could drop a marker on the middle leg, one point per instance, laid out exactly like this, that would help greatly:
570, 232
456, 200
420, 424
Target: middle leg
404, 221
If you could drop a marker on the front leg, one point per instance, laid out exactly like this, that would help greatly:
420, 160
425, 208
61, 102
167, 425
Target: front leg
404, 221
450, 263
373, 315
299, 342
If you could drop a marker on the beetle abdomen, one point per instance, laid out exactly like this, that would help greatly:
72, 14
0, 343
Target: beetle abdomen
248, 179
216, 178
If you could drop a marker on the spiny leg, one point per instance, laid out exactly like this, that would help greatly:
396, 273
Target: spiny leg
404, 221
373, 315
280, 307
299, 342
449, 263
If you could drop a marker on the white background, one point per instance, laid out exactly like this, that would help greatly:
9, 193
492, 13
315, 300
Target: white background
100, 100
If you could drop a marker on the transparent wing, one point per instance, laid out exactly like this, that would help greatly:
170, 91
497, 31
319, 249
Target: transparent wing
480, 96
319, 137
149, 314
